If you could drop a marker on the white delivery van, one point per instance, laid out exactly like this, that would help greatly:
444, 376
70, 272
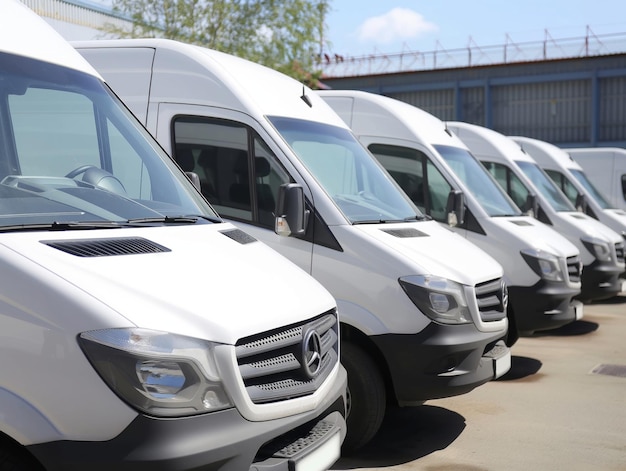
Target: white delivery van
601, 249
422, 311
606, 168
139, 331
541, 268
572, 180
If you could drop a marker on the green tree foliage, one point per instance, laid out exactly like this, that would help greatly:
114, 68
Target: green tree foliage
286, 35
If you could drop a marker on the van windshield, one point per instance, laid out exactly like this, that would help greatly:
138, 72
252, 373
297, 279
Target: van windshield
591, 190
356, 182
72, 155
545, 186
479, 181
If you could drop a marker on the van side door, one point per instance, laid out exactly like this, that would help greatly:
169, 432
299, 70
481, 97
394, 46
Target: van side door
238, 168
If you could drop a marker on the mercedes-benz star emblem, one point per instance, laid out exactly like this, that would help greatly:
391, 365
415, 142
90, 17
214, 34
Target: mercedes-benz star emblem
312, 353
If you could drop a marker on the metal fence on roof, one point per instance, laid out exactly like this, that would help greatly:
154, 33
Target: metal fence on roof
335, 66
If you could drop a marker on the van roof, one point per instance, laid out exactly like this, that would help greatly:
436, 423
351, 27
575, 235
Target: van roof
485, 141
24, 33
230, 81
545, 153
421, 124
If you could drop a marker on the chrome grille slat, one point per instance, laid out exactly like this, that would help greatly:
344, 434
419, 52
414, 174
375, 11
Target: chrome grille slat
574, 268
270, 343
269, 366
290, 387
490, 300
272, 366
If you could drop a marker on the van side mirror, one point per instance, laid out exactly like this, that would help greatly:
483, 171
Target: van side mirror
290, 212
195, 179
455, 208
581, 203
531, 206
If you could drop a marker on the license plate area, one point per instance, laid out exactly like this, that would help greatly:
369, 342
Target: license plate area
578, 309
320, 459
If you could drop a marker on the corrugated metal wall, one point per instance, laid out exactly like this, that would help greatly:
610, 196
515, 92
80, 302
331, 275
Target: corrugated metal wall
612, 109
553, 111
437, 102
573, 102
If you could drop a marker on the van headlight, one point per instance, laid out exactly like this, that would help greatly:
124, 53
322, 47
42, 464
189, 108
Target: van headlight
544, 264
598, 248
159, 373
440, 299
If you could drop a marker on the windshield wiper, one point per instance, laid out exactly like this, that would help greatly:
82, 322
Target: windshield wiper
62, 226
85, 225
392, 221
188, 219
418, 217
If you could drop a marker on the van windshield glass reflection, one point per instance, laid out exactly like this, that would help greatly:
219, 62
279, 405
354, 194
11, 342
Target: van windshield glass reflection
356, 182
77, 155
479, 182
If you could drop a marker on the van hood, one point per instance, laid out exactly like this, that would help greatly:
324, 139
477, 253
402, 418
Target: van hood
436, 250
213, 281
532, 233
590, 227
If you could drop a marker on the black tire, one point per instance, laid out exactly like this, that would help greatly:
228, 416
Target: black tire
366, 397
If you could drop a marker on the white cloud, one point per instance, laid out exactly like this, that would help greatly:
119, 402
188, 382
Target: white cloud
396, 24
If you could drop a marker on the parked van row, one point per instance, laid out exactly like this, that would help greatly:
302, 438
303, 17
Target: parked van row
432, 165
601, 249
422, 310
425, 311
271, 286
574, 182
139, 330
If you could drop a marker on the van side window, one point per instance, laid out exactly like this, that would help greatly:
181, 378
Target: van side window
417, 176
510, 182
564, 185
220, 153
624, 187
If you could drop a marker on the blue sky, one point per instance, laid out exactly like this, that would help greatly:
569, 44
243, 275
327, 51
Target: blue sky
364, 27
360, 27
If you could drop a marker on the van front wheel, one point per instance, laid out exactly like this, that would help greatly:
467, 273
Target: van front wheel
366, 396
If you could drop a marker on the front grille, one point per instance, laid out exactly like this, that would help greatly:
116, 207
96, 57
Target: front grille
619, 251
574, 268
273, 365
492, 298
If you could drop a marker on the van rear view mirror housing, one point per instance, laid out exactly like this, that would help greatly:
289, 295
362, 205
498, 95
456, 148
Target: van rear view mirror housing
455, 208
290, 213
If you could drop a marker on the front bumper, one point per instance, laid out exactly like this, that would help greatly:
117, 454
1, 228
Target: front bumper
600, 280
222, 441
544, 306
442, 361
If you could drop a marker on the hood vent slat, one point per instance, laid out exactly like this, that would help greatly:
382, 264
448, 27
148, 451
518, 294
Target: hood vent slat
405, 233
239, 236
106, 247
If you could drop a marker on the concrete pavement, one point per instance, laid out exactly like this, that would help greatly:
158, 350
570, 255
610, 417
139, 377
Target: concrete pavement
562, 406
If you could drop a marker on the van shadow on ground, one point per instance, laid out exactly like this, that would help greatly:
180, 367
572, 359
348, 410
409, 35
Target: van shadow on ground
581, 327
406, 435
410, 433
